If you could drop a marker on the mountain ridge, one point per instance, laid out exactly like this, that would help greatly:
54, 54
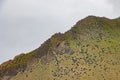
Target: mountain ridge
90, 32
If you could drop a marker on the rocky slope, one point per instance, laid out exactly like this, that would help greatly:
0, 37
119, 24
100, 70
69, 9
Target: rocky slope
90, 50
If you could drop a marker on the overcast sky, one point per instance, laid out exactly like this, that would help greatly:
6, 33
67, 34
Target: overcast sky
25, 24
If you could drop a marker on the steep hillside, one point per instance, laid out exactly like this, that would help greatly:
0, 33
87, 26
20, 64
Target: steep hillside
90, 50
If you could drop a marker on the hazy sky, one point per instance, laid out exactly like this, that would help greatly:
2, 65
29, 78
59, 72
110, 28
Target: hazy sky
25, 24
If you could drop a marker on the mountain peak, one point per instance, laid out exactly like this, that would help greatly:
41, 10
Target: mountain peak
89, 50
92, 19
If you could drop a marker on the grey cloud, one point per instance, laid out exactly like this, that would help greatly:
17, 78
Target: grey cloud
1, 4
115, 4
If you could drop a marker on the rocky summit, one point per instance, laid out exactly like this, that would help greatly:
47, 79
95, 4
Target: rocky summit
90, 50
